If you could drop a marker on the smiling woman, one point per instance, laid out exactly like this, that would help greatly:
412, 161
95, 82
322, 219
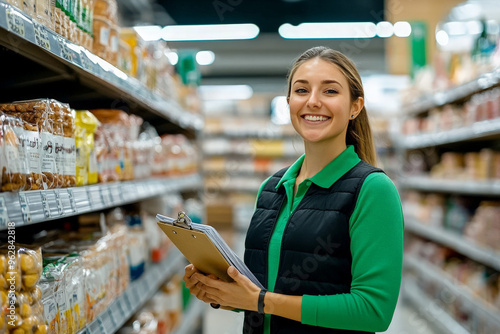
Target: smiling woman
315, 241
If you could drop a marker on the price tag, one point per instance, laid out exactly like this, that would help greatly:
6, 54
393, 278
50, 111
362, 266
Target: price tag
41, 35
86, 63
95, 327
105, 200
117, 312
72, 202
60, 208
66, 53
15, 22
4, 217
25, 210
45, 204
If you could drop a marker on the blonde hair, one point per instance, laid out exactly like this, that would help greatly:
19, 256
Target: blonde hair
359, 133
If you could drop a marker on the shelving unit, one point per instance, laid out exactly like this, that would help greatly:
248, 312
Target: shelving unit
30, 207
431, 310
479, 188
479, 130
140, 291
478, 307
194, 311
71, 62
452, 240
424, 103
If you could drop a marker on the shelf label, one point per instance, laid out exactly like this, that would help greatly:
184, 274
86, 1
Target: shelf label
106, 199
87, 64
4, 217
41, 36
25, 210
60, 207
15, 22
95, 327
66, 53
72, 202
45, 204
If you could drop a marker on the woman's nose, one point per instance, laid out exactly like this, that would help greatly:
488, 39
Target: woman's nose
314, 100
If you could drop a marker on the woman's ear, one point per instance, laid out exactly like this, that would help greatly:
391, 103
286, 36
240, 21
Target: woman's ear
357, 106
288, 99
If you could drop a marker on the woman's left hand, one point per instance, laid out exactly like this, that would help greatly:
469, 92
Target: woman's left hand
240, 294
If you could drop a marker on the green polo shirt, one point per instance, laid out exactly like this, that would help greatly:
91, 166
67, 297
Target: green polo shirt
376, 231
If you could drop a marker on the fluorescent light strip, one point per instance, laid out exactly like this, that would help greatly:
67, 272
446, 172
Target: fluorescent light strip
225, 92
210, 32
205, 57
383, 29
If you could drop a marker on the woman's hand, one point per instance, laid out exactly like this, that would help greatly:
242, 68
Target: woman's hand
240, 294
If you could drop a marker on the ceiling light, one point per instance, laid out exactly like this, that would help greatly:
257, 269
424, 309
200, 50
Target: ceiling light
455, 28
205, 57
328, 30
280, 111
149, 33
225, 92
442, 37
402, 29
210, 32
385, 29
173, 57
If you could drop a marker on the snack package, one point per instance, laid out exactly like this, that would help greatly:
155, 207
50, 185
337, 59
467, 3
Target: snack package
29, 7
56, 120
50, 308
14, 166
20, 274
69, 130
87, 170
102, 29
37, 124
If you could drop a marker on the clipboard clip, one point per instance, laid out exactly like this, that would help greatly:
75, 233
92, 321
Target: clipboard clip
183, 220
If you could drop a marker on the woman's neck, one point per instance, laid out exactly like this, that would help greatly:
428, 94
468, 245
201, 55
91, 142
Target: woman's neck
318, 155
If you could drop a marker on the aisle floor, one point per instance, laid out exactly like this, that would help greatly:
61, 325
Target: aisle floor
406, 321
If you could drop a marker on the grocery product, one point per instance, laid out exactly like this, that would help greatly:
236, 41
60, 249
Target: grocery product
86, 159
102, 29
14, 165
45, 12
20, 272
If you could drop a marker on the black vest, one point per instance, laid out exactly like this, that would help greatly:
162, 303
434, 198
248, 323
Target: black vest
315, 250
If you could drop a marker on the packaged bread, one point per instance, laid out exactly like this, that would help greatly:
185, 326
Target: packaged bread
101, 28
56, 120
14, 169
50, 308
114, 36
69, 130
31, 113
45, 12
29, 7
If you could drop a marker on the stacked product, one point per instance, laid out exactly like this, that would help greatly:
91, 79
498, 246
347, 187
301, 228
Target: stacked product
106, 30
175, 156
38, 145
22, 311
480, 107
467, 276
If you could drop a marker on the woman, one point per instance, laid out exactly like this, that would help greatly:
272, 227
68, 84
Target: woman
327, 234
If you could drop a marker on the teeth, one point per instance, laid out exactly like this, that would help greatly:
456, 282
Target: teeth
315, 118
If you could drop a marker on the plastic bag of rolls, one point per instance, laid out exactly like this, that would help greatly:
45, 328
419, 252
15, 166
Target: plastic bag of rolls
20, 271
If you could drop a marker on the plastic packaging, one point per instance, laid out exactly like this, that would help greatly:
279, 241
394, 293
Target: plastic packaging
102, 28
23, 271
86, 160
69, 130
14, 167
45, 12
31, 113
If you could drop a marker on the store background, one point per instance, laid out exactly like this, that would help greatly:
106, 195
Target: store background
212, 126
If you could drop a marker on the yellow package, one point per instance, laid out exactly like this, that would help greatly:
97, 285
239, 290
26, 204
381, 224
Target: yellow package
86, 126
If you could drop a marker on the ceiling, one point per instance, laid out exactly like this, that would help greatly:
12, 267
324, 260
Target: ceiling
264, 61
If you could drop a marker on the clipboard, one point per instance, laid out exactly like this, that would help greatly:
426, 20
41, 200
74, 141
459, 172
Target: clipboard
203, 246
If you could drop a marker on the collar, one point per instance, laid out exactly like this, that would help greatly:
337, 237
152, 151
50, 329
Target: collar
330, 173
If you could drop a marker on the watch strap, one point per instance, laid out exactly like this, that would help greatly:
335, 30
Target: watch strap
260, 303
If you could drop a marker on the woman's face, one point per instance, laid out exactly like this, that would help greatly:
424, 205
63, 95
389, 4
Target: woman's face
320, 102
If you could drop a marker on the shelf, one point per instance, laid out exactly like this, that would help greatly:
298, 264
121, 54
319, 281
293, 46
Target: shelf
423, 183
35, 206
477, 307
479, 130
137, 294
428, 308
456, 242
19, 33
485, 81
190, 316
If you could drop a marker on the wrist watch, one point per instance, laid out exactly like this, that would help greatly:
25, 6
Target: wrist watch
260, 303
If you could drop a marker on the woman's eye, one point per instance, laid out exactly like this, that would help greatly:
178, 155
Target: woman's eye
300, 90
331, 91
